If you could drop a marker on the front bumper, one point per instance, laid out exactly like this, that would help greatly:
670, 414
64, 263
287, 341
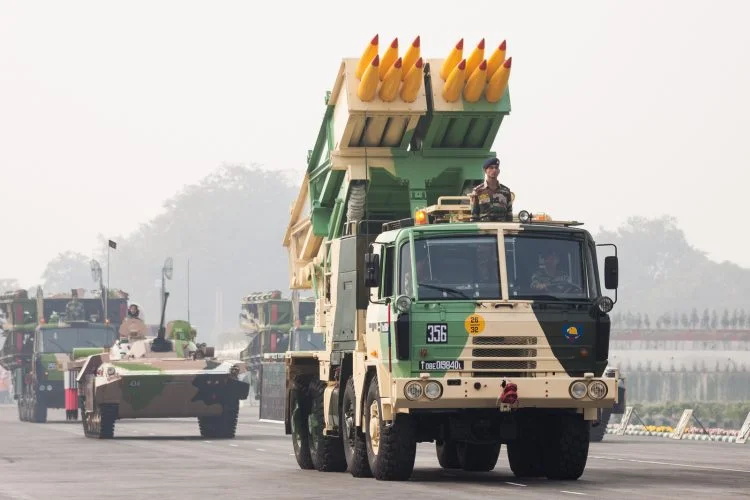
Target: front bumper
485, 392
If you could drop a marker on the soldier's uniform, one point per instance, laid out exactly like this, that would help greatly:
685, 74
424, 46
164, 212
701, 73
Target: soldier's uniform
74, 310
497, 204
540, 280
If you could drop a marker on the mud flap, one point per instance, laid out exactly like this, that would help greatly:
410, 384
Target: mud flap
272, 391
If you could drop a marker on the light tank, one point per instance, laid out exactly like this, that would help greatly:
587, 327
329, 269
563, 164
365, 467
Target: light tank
167, 376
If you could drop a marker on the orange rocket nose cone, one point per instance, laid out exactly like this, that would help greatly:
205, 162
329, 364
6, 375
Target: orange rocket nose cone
412, 54
390, 56
364, 61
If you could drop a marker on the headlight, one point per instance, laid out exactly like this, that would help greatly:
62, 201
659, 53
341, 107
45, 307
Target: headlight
524, 216
605, 304
41, 387
403, 304
597, 389
578, 390
413, 390
111, 372
433, 390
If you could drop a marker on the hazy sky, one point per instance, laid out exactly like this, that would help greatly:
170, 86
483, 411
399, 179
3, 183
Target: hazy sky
618, 108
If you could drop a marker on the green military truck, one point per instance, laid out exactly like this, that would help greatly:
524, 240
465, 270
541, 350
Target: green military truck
438, 325
275, 324
43, 334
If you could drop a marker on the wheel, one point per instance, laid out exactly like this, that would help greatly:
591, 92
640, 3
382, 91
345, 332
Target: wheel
222, 426
38, 409
21, 408
326, 452
566, 447
100, 424
477, 457
355, 447
299, 408
447, 454
390, 450
525, 453
597, 432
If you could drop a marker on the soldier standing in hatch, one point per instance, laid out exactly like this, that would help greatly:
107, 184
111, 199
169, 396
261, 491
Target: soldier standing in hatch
492, 199
74, 309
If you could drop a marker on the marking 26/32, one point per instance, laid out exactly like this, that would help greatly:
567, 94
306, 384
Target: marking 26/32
437, 333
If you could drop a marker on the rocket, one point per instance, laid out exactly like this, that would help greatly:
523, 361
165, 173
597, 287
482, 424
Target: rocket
411, 56
368, 85
453, 58
455, 82
476, 57
367, 56
476, 82
412, 82
496, 60
499, 82
391, 82
390, 56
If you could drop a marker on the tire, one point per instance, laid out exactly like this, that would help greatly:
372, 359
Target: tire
566, 447
222, 426
447, 454
299, 409
477, 457
392, 450
597, 432
100, 424
326, 452
355, 446
525, 454
38, 409
21, 409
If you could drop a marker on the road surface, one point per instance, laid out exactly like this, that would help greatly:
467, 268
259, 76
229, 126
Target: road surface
167, 459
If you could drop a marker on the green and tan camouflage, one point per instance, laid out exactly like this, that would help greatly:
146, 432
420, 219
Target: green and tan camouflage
160, 377
467, 355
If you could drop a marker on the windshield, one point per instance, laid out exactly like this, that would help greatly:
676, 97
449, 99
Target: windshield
452, 268
307, 340
548, 267
66, 339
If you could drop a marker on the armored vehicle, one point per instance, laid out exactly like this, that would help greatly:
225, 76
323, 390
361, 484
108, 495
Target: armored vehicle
160, 377
42, 335
433, 329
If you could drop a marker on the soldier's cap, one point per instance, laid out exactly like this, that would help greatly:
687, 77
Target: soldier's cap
490, 162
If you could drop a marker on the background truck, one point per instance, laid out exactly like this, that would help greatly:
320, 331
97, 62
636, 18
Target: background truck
275, 324
433, 330
43, 334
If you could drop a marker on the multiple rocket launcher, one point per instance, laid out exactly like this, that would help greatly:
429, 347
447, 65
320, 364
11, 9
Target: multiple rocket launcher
402, 76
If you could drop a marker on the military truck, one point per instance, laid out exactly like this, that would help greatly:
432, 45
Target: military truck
43, 334
433, 332
169, 376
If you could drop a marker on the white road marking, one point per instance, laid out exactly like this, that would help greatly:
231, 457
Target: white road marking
259, 449
514, 484
572, 492
673, 464
209, 442
234, 445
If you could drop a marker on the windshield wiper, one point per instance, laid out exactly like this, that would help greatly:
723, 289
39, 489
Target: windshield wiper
445, 289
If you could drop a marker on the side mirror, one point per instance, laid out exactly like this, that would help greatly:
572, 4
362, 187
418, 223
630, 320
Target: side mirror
611, 270
372, 270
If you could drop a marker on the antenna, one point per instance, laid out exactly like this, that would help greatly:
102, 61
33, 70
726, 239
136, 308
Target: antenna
188, 291
96, 271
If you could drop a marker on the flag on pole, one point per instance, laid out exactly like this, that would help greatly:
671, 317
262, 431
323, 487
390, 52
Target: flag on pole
112, 244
